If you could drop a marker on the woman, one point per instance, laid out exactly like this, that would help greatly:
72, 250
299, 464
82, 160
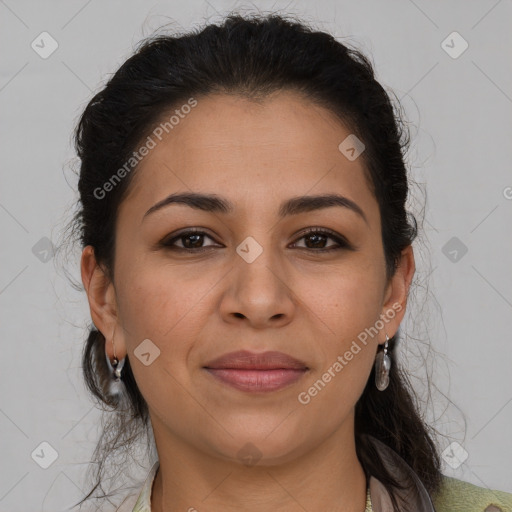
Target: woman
247, 259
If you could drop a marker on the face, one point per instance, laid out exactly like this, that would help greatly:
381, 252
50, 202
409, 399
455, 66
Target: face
251, 277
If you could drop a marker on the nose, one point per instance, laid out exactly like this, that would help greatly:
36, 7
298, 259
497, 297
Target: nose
259, 293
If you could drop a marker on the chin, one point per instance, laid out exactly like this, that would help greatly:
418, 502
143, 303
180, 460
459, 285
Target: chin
265, 445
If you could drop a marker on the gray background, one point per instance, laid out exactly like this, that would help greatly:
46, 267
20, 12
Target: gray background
459, 110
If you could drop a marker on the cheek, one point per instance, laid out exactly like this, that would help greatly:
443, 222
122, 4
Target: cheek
162, 306
347, 300
142, 300
346, 304
158, 306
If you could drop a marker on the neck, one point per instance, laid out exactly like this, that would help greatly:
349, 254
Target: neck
328, 477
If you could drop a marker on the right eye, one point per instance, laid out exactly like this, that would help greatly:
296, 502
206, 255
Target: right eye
191, 241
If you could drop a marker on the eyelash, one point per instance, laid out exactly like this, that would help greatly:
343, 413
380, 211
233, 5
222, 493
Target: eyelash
343, 243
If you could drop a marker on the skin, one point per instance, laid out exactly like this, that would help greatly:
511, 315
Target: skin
196, 307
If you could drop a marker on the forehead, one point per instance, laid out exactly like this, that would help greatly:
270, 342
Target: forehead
251, 152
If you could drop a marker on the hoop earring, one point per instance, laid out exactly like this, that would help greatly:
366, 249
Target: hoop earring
382, 367
117, 365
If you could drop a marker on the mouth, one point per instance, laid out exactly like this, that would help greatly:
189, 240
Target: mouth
253, 372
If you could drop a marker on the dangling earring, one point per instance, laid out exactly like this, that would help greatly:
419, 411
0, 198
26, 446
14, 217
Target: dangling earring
382, 367
116, 364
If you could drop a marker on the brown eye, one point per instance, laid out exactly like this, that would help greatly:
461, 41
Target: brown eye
190, 241
316, 240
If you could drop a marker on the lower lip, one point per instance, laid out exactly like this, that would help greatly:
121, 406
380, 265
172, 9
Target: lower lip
257, 380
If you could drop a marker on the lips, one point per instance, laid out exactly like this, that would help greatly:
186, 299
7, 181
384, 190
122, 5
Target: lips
245, 360
252, 372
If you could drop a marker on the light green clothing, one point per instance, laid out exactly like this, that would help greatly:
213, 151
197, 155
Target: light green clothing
459, 496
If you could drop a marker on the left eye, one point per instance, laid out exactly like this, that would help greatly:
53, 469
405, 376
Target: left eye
316, 239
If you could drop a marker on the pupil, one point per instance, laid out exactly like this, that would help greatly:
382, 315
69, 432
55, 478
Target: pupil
318, 239
194, 243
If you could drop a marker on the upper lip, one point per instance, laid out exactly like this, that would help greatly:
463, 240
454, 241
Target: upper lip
246, 360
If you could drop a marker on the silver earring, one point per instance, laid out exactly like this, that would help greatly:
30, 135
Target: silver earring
382, 367
118, 368
117, 365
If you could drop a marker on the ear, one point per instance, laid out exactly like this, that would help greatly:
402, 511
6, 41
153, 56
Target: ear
397, 291
102, 303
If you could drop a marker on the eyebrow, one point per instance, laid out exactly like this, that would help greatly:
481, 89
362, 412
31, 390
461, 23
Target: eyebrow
293, 206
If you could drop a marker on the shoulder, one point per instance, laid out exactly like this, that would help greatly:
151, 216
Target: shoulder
458, 496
